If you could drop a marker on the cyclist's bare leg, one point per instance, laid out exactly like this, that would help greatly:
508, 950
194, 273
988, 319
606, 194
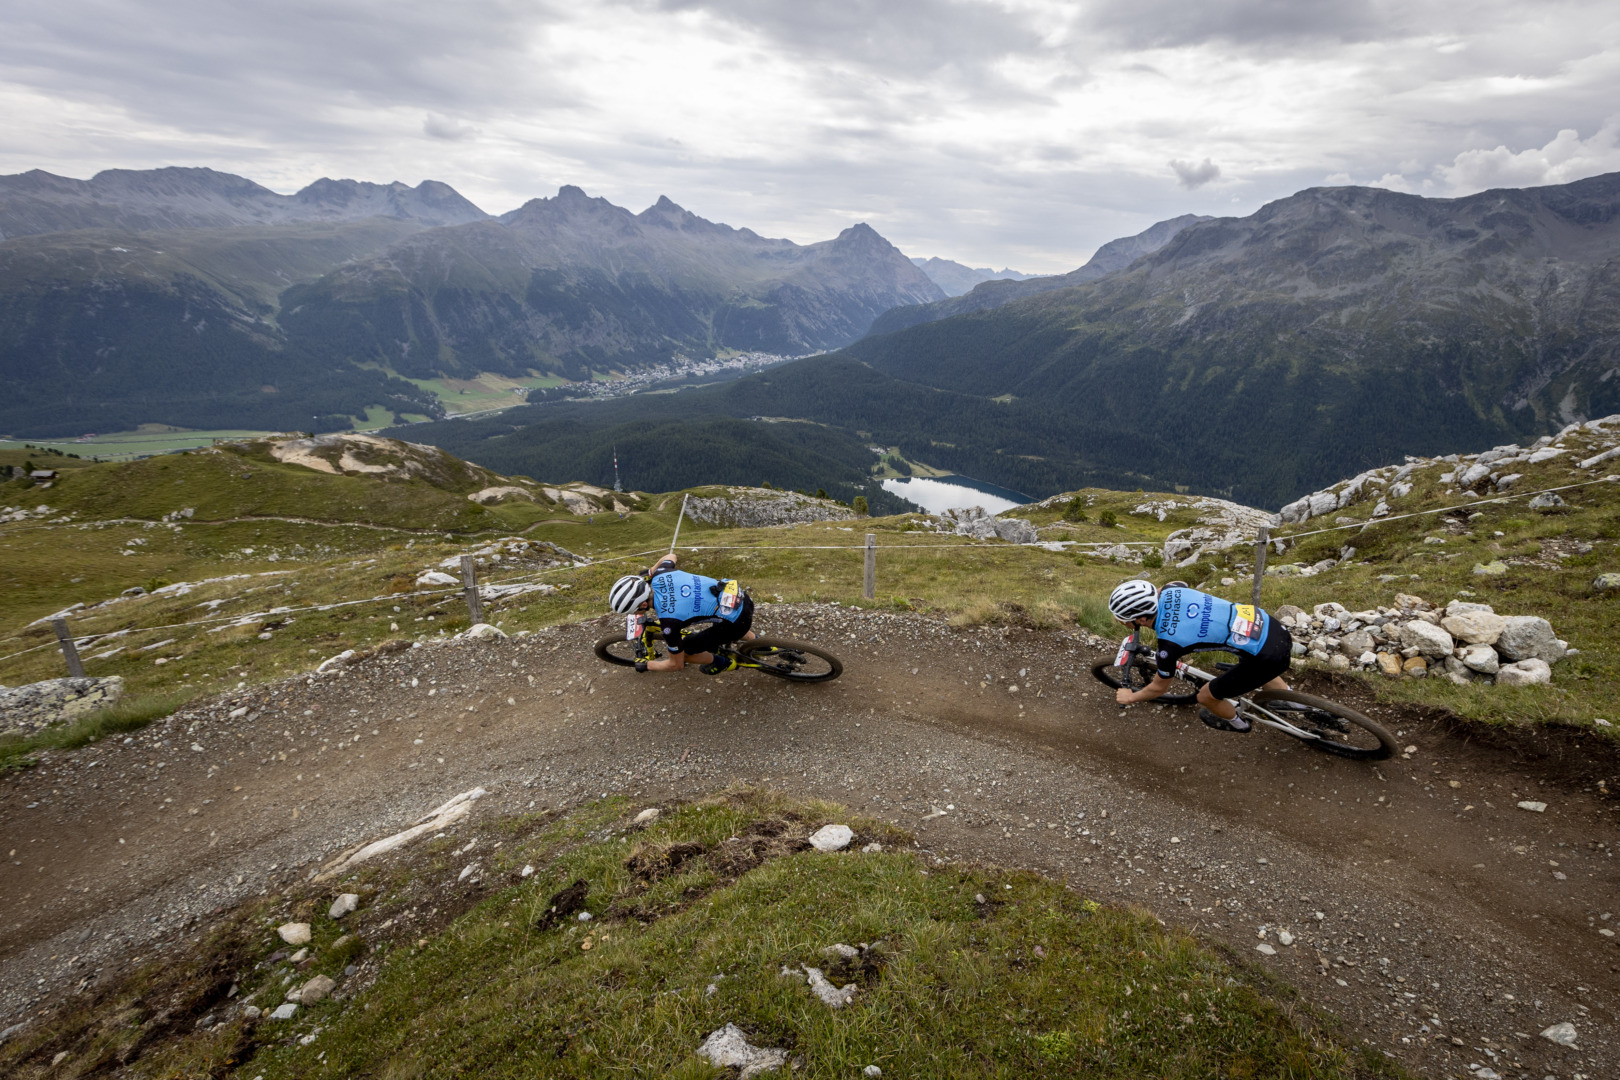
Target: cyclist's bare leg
1225, 711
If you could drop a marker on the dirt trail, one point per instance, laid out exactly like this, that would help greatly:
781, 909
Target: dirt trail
1436, 919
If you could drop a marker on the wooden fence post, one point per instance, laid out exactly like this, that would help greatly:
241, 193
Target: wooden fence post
869, 583
70, 652
469, 587
1260, 563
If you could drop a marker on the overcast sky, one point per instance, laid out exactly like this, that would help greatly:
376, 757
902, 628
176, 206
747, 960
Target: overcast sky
994, 132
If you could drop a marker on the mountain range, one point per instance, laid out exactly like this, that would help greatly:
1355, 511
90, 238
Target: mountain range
954, 278
201, 299
1256, 357
1006, 287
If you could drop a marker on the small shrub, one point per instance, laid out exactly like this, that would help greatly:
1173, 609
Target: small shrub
1152, 560
1076, 510
859, 506
1107, 519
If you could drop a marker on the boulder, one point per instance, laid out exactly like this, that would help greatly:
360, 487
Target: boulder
1417, 667
729, 1048
484, 632
316, 989
974, 522
1606, 583
1356, 642
1459, 607
1389, 664
1322, 502
1481, 658
1288, 612
1410, 604
294, 933
1547, 500
35, 705
428, 579
1474, 627
831, 838
1530, 672
1494, 568
1472, 475
345, 903
1427, 639
1529, 636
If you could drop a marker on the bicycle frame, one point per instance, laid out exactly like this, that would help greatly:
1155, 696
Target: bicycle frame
648, 631
1257, 714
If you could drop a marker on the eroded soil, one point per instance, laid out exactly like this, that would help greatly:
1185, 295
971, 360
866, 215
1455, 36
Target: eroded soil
1430, 914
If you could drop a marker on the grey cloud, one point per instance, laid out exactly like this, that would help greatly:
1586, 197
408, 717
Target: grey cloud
903, 36
1160, 23
442, 127
1196, 176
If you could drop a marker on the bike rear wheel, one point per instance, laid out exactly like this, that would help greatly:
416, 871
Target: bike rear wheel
1326, 725
616, 649
1140, 672
788, 659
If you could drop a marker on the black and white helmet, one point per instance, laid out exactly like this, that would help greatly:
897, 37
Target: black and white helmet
628, 593
1133, 599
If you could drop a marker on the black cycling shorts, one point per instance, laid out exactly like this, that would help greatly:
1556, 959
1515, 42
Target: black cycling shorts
1254, 671
720, 632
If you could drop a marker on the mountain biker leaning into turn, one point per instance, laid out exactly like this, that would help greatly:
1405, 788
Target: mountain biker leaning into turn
678, 598
1186, 620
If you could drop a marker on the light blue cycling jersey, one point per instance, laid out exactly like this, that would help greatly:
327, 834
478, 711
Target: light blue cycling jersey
683, 597
1192, 619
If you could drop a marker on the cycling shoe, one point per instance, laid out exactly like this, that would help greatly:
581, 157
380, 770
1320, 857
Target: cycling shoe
723, 661
1237, 723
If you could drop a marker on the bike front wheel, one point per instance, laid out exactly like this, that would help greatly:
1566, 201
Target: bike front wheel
617, 649
787, 659
1322, 724
1138, 674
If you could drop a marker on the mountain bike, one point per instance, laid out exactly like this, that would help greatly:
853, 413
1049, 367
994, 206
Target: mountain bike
643, 640
1317, 722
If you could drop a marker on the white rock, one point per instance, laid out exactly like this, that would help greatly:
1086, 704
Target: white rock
528, 871
316, 989
1474, 627
285, 1012
1527, 636
294, 933
1533, 807
484, 632
345, 903
1265, 949
1284, 937
238, 713
831, 837
429, 578
729, 1048
467, 871
1481, 658
647, 815
1428, 640
334, 661
1563, 1034
840, 950
872, 1070
1524, 673
872, 848
830, 995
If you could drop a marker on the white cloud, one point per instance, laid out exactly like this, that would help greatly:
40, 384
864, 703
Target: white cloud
1565, 158
443, 127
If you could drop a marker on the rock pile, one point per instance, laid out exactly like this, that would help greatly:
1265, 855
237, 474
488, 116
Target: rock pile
1495, 471
759, 508
36, 705
975, 522
1464, 642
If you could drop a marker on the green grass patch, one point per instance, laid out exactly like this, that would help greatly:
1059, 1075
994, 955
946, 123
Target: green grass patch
966, 971
130, 714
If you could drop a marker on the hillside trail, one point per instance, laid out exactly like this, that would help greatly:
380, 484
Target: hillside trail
1427, 912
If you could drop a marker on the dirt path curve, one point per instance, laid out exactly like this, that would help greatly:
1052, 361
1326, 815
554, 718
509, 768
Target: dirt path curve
1436, 919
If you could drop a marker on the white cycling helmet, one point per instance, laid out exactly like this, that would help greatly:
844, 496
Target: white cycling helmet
628, 593
1133, 599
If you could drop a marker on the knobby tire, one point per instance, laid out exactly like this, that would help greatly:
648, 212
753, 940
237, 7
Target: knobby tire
1367, 740
1140, 673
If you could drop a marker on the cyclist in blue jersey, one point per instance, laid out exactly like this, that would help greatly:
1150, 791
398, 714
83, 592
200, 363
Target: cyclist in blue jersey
1186, 620
679, 598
